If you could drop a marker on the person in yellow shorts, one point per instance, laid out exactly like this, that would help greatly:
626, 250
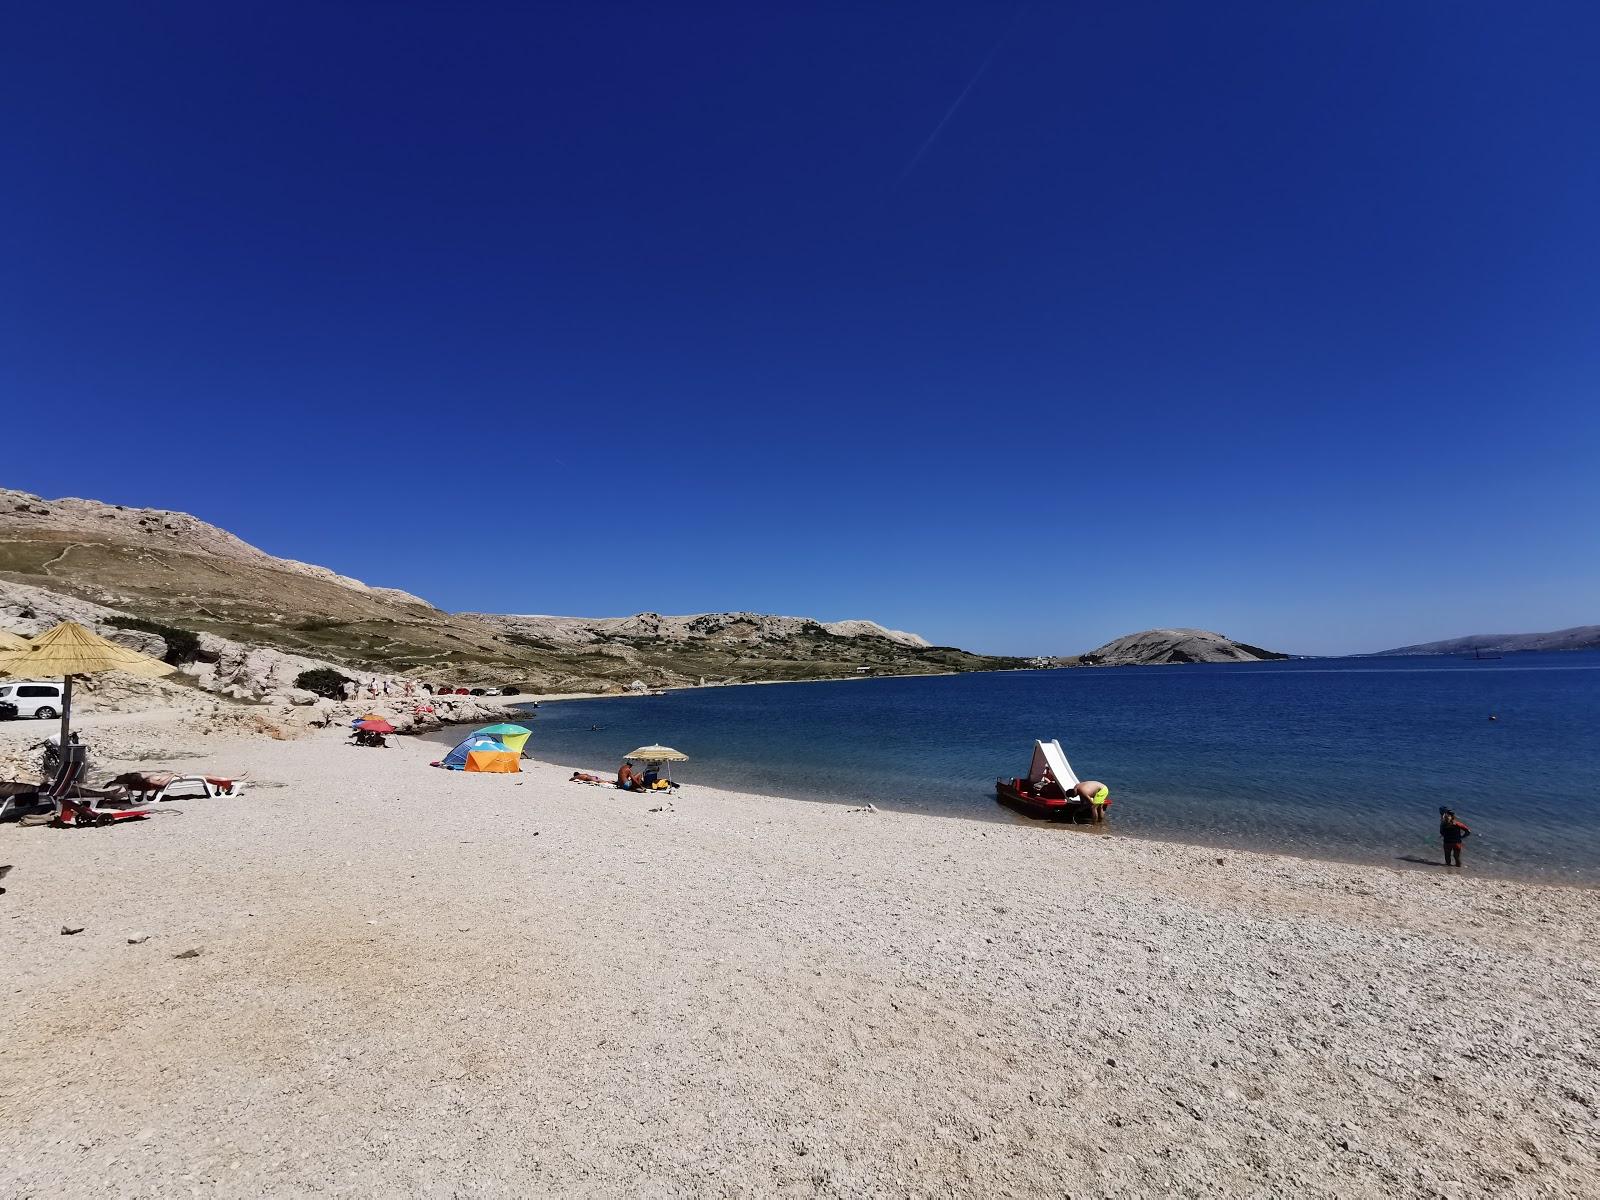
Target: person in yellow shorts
1097, 794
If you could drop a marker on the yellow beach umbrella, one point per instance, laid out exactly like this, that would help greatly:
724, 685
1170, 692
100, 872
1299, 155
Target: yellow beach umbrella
69, 649
10, 641
651, 754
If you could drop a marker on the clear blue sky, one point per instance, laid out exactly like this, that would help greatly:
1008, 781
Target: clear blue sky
1019, 328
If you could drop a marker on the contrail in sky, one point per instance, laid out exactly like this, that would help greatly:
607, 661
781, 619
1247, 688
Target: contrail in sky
951, 111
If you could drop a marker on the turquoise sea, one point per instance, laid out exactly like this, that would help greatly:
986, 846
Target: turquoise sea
1335, 758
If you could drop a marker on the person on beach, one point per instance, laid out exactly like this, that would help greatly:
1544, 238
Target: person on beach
1452, 831
1098, 796
625, 777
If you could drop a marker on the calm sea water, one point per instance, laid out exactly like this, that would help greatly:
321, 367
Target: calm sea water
1337, 758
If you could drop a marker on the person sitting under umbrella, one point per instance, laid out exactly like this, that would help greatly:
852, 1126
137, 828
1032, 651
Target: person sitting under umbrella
371, 733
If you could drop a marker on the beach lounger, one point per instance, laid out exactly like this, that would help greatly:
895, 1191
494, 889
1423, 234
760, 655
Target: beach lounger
152, 787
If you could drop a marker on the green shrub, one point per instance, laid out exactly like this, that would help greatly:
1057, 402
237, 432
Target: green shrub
182, 646
324, 681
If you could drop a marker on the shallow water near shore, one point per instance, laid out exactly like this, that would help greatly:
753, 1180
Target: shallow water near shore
1331, 758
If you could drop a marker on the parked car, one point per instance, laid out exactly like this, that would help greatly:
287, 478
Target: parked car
31, 698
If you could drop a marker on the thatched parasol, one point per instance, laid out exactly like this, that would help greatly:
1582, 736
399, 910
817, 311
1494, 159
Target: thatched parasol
12, 641
658, 754
69, 649
654, 755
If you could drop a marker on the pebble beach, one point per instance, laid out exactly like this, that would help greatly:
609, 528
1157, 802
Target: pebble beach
408, 980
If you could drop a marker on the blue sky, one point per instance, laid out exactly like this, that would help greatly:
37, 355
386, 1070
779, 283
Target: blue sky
1022, 328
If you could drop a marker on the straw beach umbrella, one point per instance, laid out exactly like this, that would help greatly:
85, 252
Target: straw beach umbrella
10, 641
659, 754
69, 649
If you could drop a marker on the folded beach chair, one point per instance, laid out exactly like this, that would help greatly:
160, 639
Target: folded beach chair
19, 799
80, 811
77, 804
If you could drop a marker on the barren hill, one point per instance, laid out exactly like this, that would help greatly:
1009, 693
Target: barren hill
178, 570
1156, 646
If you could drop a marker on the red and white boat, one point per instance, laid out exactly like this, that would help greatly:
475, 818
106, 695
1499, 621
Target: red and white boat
1052, 789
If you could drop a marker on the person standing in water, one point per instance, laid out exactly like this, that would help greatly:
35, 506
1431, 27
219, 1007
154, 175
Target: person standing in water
1452, 831
1097, 794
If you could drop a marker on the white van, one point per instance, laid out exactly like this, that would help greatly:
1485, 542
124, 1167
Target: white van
31, 698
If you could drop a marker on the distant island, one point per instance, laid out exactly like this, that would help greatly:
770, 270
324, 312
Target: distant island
1161, 647
1579, 637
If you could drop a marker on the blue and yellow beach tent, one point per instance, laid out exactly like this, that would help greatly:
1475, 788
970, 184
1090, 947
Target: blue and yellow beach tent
477, 752
514, 736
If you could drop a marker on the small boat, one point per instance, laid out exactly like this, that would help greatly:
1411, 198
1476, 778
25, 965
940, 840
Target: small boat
1051, 791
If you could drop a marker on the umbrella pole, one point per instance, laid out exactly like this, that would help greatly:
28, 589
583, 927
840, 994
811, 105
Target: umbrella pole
66, 714
64, 761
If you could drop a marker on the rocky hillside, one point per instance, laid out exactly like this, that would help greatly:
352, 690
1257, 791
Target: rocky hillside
728, 646
177, 570
1580, 637
151, 533
698, 627
1157, 646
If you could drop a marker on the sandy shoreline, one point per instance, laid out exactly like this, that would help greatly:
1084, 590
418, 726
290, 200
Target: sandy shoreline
413, 980
999, 815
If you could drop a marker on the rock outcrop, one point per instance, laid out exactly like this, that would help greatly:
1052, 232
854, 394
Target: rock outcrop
1158, 646
247, 672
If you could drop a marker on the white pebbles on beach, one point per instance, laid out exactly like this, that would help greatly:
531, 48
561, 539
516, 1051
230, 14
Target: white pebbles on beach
410, 981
